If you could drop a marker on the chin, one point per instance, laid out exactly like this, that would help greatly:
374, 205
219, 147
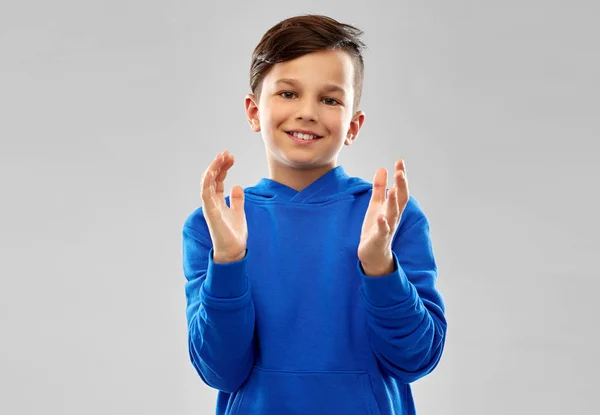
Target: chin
299, 163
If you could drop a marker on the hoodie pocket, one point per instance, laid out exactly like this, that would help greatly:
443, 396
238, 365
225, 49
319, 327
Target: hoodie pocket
272, 392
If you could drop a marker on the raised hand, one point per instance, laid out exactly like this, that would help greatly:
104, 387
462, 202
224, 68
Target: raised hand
227, 225
381, 221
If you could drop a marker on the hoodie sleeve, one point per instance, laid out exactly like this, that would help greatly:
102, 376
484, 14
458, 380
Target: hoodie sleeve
220, 313
405, 312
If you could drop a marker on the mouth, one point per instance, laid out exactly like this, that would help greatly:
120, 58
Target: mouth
303, 137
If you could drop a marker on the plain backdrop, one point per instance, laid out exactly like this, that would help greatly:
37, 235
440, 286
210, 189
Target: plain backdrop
111, 110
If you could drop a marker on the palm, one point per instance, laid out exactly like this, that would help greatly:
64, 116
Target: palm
227, 224
231, 226
383, 215
370, 229
371, 241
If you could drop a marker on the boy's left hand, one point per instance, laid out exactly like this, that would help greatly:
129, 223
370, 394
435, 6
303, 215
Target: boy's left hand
381, 220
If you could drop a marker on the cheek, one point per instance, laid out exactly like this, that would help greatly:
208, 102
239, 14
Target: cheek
274, 115
336, 122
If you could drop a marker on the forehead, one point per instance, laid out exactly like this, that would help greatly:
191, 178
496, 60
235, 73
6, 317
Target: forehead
316, 68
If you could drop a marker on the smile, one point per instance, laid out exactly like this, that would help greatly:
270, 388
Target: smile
302, 137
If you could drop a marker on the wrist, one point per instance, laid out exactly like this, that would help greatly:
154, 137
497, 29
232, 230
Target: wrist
225, 258
385, 266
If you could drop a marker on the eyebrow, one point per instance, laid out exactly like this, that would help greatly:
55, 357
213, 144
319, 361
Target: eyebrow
327, 88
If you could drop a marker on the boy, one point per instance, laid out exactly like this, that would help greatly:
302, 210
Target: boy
312, 292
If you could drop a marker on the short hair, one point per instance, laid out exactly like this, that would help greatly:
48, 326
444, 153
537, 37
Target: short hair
300, 35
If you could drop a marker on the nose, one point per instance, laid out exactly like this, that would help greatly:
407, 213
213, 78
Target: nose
306, 110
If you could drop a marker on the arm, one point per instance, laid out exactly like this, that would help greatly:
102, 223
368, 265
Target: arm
405, 312
220, 314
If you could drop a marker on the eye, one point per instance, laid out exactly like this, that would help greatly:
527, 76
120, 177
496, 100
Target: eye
286, 94
331, 101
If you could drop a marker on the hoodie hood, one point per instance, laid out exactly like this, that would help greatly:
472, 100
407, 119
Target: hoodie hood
333, 185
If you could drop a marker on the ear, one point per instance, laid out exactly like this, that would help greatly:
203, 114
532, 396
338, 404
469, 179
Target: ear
251, 105
355, 126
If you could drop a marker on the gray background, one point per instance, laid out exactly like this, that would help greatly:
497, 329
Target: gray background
111, 110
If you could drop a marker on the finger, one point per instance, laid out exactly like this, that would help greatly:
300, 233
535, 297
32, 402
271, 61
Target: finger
220, 178
400, 165
227, 163
205, 186
208, 180
392, 207
209, 200
237, 199
379, 185
216, 163
219, 187
400, 175
402, 185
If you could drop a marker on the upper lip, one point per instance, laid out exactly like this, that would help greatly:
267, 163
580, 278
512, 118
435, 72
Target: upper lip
299, 130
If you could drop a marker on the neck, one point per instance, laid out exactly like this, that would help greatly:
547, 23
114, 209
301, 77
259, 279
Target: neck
297, 178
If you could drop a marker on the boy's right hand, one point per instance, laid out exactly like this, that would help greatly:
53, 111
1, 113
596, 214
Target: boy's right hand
227, 225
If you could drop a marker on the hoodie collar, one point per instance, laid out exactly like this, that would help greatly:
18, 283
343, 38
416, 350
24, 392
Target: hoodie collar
332, 183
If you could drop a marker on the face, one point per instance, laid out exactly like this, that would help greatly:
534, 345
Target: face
313, 94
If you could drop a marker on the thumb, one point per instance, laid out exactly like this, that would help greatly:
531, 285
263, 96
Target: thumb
237, 199
382, 225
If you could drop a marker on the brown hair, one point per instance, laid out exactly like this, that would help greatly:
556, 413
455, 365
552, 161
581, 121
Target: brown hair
297, 36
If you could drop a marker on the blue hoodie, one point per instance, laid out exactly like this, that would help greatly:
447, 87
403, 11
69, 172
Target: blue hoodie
296, 327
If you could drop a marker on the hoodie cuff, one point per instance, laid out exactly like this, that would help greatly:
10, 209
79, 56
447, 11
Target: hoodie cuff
226, 280
387, 290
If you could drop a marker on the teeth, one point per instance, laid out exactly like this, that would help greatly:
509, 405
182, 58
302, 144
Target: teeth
304, 136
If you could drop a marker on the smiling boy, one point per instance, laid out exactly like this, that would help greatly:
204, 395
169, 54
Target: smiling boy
313, 94
312, 292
